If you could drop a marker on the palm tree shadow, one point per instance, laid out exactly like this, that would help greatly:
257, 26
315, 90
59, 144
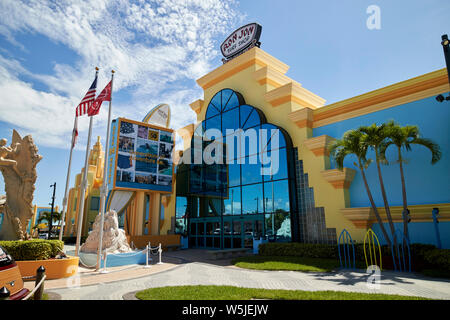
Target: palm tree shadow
355, 277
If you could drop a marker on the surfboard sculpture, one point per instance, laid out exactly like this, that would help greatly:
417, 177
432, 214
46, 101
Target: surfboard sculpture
159, 116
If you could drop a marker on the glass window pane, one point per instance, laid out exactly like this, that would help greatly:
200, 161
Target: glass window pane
271, 137
229, 100
200, 228
251, 170
193, 205
215, 207
211, 111
95, 203
227, 228
181, 207
248, 228
278, 226
232, 204
232, 145
227, 243
249, 117
252, 199
275, 164
276, 196
237, 227
234, 174
213, 123
249, 142
217, 100
193, 229
230, 120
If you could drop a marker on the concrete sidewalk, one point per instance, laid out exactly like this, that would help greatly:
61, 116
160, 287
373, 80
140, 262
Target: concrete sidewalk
205, 272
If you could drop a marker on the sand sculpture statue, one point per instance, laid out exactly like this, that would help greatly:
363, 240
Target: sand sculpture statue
114, 238
18, 166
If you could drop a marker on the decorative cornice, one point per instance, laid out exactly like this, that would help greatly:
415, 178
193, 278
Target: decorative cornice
339, 179
319, 145
271, 76
186, 133
364, 217
294, 92
254, 56
197, 105
302, 117
414, 89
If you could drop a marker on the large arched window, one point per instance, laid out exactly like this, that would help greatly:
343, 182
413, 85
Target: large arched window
255, 181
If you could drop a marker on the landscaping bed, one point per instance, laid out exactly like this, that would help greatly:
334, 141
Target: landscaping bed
237, 293
31, 254
287, 263
424, 258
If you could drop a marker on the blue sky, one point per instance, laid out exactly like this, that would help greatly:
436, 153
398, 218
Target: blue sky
48, 52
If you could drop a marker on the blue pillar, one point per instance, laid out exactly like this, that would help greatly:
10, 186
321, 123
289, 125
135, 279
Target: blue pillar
435, 213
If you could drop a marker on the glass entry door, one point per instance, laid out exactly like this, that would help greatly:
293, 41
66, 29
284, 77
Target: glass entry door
239, 231
204, 233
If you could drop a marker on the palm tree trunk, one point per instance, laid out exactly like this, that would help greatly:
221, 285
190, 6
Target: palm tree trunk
386, 205
374, 207
405, 205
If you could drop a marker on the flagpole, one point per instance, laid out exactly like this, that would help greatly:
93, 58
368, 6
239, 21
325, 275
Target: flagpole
104, 188
84, 185
67, 183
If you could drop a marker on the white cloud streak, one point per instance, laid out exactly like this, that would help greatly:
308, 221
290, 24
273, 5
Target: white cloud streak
156, 47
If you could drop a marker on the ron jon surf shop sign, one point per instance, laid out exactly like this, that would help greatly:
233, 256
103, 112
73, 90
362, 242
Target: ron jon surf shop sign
241, 40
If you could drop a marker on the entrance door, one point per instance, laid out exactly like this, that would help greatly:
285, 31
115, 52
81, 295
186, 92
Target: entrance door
238, 232
204, 233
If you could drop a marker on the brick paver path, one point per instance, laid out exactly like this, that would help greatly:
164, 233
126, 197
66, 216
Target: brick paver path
204, 272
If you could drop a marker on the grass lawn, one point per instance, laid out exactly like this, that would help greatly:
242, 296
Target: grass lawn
236, 293
287, 263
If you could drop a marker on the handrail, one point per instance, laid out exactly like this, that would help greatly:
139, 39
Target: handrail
36, 287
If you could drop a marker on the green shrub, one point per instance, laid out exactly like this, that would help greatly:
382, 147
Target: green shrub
423, 256
439, 259
32, 249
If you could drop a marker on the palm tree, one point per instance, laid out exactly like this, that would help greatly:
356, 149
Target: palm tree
404, 137
46, 216
353, 142
375, 136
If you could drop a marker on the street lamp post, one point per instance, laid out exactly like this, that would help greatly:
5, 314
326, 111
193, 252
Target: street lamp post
51, 212
445, 46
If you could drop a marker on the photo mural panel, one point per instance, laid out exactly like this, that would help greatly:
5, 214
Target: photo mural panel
140, 156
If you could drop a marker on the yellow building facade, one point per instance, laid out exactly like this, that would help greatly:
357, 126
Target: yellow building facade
322, 200
324, 196
91, 197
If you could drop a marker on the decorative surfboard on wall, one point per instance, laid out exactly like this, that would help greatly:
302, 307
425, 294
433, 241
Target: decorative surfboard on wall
159, 116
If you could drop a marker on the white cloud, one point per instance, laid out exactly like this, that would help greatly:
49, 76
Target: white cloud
156, 47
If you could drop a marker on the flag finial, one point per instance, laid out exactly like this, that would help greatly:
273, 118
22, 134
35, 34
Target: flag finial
96, 69
112, 71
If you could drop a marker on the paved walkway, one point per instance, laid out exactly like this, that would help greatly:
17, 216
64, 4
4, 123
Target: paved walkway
190, 267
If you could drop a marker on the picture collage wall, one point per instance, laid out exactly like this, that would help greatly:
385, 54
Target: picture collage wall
144, 156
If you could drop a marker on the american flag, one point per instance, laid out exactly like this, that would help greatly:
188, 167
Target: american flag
105, 95
88, 99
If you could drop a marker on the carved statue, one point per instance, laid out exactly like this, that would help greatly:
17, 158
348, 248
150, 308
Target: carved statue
18, 166
114, 239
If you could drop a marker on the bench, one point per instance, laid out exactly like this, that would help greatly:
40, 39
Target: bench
227, 253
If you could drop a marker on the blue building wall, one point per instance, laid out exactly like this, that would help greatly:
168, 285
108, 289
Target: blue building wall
419, 232
425, 183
